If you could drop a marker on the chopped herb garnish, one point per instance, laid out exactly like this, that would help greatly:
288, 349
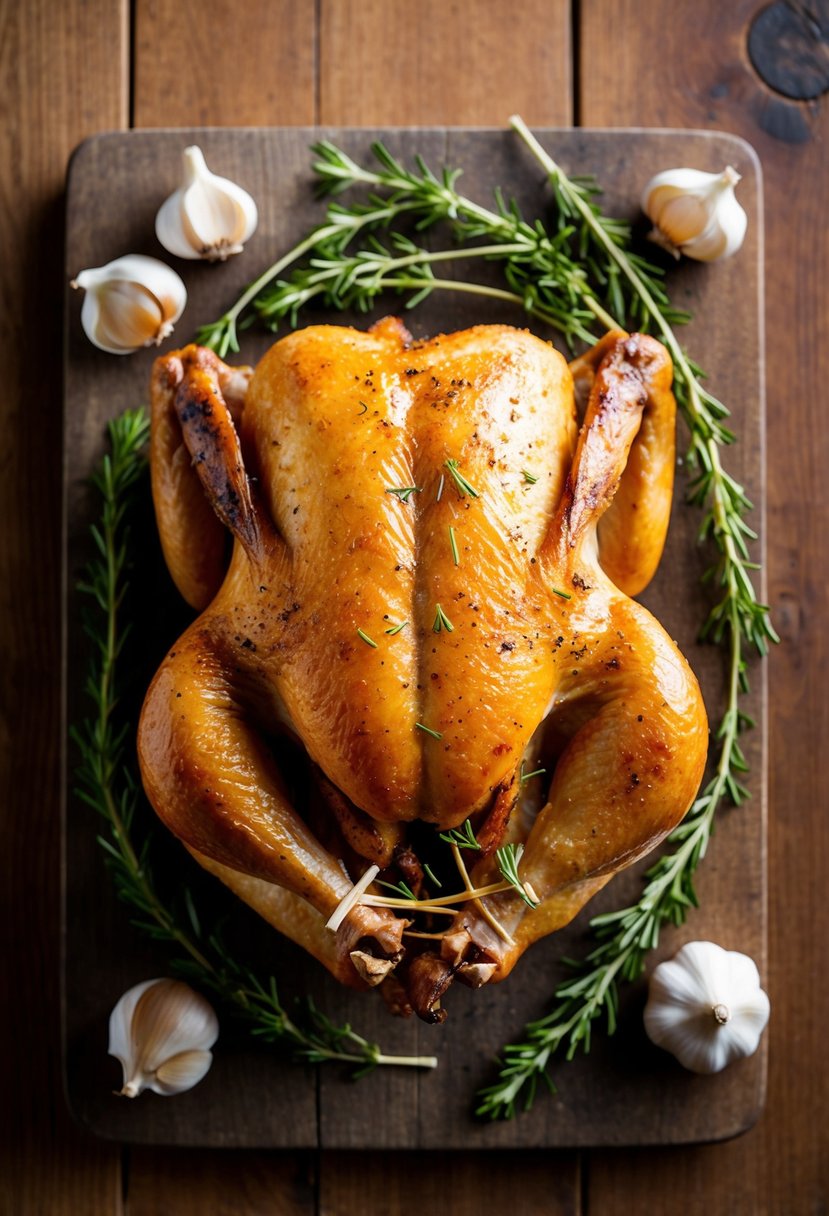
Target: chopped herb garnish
461, 484
393, 629
463, 836
522, 776
441, 621
404, 493
440, 488
565, 595
428, 730
427, 870
454, 544
529, 478
508, 857
401, 889
368, 641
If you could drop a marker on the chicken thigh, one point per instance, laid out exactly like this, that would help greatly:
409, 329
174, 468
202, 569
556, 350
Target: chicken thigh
425, 598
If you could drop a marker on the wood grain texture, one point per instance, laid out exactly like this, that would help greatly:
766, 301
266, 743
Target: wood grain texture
404, 1184
651, 62
442, 62
205, 63
187, 1182
46, 1165
666, 70
624, 1092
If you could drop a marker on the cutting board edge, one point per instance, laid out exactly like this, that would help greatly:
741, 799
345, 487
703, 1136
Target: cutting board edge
746, 1122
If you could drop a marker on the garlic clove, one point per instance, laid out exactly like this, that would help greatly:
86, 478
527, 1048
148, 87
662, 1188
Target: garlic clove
706, 1006
162, 1032
208, 217
695, 213
181, 1072
133, 301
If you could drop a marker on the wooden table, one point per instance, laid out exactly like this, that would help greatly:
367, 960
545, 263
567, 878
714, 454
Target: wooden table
72, 67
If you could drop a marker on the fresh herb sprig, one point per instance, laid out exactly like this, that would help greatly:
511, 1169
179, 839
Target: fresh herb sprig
106, 783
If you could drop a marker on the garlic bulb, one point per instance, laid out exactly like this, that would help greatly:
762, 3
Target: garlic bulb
695, 213
162, 1032
706, 1006
132, 302
208, 217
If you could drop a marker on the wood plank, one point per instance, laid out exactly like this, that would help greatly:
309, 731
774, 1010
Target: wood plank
188, 1182
440, 62
46, 1165
462, 71
692, 69
465, 1184
198, 64
624, 1091
268, 75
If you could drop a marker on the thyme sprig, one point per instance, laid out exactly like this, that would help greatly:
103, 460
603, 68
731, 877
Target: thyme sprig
106, 783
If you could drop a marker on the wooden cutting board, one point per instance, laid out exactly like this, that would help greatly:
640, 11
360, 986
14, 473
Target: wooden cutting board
626, 1091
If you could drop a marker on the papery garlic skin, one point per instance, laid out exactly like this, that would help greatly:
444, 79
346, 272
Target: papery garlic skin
706, 1007
130, 303
208, 217
695, 213
162, 1032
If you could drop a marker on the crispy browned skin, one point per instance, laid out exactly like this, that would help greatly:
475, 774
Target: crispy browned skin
332, 420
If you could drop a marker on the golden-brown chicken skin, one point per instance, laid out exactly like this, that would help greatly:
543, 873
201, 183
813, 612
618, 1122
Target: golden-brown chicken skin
421, 598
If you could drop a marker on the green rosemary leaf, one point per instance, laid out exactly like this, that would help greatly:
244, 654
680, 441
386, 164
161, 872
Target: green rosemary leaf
427, 870
404, 493
522, 776
565, 595
454, 546
365, 638
427, 730
399, 888
393, 629
441, 621
529, 477
461, 484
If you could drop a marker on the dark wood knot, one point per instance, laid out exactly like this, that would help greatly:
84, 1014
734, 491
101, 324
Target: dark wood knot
788, 44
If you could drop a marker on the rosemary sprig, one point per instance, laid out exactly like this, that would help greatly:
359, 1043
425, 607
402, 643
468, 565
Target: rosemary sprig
106, 784
508, 857
463, 836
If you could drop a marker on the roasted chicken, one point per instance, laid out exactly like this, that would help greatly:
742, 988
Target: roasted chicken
425, 599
